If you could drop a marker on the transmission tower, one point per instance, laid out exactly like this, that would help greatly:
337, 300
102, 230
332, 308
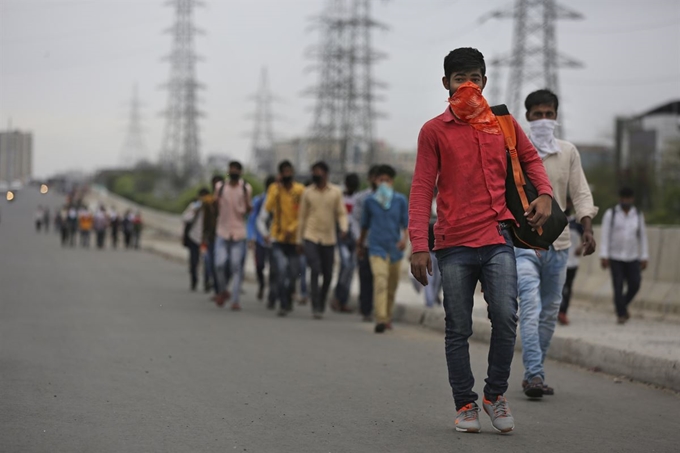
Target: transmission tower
534, 60
344, 115
263, 133
180, 152
134, 149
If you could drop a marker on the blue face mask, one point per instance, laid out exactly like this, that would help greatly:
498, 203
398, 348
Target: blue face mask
384, 194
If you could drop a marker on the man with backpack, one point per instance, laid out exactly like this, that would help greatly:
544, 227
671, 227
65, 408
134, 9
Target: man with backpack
282, 207
466, 145
257, 241
234, 204
542, 275
624, 250
209, 214
193, 232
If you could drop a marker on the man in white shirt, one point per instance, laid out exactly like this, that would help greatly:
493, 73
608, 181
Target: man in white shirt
541, 276
624, 250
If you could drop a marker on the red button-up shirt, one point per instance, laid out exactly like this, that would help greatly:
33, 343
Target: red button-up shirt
469, 169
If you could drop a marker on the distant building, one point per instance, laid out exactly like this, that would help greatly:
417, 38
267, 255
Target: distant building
595, 156
644, 146
16, 156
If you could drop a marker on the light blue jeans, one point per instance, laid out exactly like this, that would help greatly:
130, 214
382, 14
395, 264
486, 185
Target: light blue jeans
540, 282
228, 252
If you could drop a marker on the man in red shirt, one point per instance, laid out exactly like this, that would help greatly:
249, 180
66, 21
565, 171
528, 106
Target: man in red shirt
463, 152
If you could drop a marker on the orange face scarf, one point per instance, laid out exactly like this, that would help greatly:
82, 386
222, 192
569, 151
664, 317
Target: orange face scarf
468, 104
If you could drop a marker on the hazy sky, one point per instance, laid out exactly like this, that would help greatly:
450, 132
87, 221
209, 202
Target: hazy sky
67, 68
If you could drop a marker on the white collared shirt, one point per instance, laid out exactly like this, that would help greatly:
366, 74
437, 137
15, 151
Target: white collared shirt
624, 239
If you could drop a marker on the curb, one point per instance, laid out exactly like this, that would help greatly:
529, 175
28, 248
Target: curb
617, 362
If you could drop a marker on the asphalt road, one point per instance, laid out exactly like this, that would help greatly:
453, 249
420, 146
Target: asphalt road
108, 351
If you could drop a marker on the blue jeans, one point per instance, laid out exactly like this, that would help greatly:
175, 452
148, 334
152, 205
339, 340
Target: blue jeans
461, 268
348, 258
540, 281
287, 271
434, 283
229, 253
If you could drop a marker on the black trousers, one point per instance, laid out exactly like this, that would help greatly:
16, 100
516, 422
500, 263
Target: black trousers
566, 290
194, 256
365, 286
630, 274
101, 237
320, 260
261, 260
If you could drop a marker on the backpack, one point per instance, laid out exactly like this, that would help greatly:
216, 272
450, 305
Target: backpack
520, 192
186, 241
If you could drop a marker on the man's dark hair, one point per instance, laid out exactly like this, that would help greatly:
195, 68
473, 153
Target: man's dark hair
386, 170
284, 165
203, 192
373, 171
541, 97
352, 180
464, 59
236, 164
269, 181
626, 192
321, 165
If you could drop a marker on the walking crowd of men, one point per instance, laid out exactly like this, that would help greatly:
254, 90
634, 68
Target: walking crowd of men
295, 230
76, 224
461, 228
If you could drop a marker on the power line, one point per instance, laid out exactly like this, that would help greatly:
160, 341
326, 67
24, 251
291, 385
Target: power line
263, 132
180, 151
134, 149
534, 60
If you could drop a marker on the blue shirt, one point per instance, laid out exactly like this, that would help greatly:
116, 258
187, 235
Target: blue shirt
252, 232
385, 226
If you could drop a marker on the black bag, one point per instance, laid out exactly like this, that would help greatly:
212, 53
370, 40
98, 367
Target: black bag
520, 192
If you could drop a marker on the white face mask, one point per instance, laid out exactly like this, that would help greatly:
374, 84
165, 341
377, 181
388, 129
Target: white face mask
542, 135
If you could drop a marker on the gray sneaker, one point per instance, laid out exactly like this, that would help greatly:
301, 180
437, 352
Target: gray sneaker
499, 411
467, 420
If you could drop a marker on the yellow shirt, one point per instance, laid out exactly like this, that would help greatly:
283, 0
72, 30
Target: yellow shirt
284, 206
320, 211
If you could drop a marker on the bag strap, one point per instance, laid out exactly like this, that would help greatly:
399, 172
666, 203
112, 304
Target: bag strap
508, 128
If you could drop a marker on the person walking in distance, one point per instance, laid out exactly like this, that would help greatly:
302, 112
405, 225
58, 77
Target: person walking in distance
462, 151
39, 217
384, 221
210, 209
137, 226
363, 260
256, 240
128, 228
85, 222
193, 235
542, 276
46, 219
114, 221
347, 248
100, 225
575, 251
282, 206
234, 204
322, 211
72, 225
624, 250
